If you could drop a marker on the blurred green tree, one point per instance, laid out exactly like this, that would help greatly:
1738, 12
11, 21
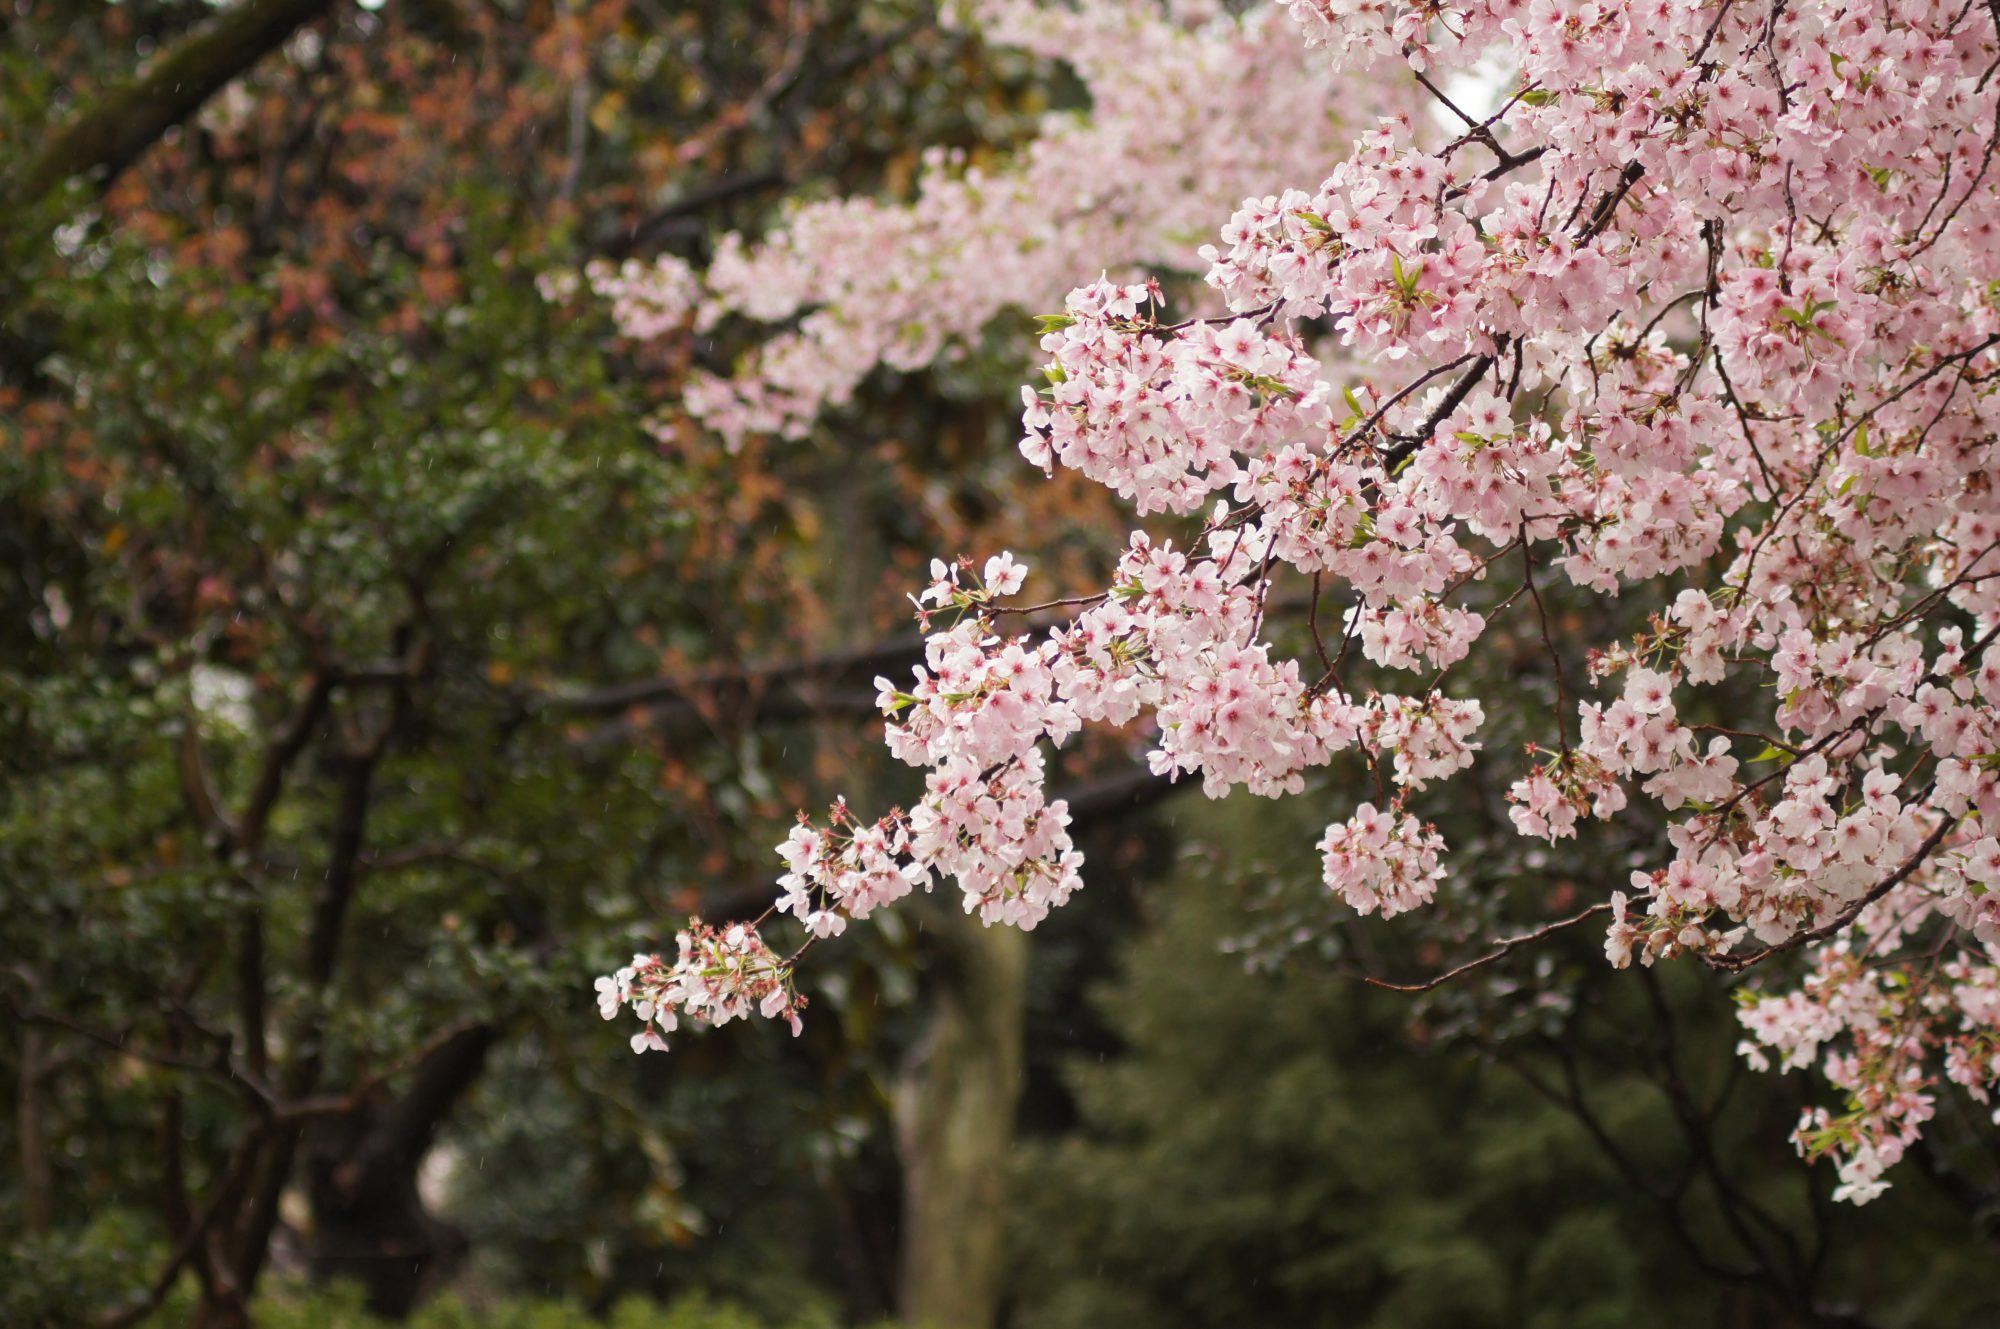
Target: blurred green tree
1270, 1140
376, 633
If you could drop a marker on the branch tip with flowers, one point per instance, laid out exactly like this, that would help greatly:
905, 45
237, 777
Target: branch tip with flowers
1720, 333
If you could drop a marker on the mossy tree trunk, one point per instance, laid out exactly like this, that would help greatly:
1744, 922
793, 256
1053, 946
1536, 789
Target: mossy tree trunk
955, 1110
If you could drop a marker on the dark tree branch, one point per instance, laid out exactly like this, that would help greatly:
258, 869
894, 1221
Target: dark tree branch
196, 1235
662, 694
1105, 800
840, 683
1510, 944
789, 87
115, 129
657, 225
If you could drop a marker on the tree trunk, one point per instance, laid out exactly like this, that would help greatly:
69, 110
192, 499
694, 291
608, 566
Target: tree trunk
369, 1220
955, 1124
225, 1312
37, 1177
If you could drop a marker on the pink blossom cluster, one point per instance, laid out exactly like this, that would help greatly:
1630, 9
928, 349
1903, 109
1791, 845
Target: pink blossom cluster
1175, 638
717, 975
1703, 312
1162, 420
1885, 1032
1181, 124
648, 300
1380, 862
